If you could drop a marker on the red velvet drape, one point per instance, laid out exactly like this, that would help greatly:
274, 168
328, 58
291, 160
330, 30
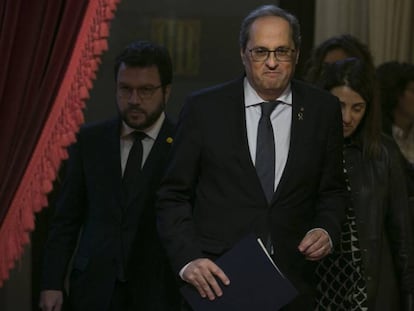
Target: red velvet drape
49, 52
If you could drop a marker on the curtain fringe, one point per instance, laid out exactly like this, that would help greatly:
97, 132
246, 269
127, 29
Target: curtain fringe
59, 132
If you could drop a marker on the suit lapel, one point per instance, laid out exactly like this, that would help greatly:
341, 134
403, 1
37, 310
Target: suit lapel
160, 148
154, 162
236, 121
111, 148
298, 131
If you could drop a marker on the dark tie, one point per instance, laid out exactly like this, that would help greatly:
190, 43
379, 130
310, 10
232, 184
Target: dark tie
265, 157
133, 165
129, 187
265, 150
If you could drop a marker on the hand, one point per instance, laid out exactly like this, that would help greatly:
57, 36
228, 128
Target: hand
202, 273
315, 245
51, 300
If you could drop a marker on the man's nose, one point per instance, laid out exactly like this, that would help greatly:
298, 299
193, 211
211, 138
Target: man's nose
271, 60
134, 98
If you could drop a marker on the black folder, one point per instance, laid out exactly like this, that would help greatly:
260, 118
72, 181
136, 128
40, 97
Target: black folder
256, 283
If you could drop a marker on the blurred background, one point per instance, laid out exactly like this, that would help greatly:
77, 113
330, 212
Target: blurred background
203, 40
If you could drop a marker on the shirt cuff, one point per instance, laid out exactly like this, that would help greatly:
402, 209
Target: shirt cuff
329, 237
182, 270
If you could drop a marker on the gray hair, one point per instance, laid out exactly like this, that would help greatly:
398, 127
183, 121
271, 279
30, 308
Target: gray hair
269, 10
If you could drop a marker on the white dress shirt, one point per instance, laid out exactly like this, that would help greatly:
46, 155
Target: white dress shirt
281, 119
127, 140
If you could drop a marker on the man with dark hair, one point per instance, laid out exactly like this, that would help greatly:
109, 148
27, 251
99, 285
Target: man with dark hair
107, 200
261, 154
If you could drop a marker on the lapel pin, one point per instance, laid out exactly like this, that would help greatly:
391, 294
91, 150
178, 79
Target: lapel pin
300, 113
169, 140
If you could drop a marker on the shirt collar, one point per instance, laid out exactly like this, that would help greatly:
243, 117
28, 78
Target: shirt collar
251, 98
151, 132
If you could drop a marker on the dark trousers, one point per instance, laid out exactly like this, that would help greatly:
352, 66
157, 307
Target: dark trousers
301, 303
121, 300
138, 297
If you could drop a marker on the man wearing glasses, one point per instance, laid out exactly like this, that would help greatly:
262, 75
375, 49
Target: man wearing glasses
261, 154
108, 199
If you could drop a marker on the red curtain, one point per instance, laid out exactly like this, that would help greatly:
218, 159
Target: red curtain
49, 52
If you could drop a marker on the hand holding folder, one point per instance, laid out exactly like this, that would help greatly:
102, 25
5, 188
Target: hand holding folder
255, 282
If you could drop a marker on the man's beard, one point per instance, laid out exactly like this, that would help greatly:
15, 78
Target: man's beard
149, 119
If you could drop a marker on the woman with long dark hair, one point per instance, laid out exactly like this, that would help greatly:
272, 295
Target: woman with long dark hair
372, 269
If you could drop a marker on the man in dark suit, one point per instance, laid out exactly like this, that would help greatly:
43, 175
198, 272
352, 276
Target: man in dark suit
216, 187
107, 200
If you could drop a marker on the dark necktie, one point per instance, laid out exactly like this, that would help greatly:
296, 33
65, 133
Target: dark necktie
265, 150
133, 165
129, 188
131, 174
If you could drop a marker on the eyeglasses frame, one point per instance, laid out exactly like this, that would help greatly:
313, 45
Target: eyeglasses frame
139, 90
275, 51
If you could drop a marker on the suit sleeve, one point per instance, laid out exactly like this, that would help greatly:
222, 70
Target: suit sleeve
175, 196
66, 223
333, 197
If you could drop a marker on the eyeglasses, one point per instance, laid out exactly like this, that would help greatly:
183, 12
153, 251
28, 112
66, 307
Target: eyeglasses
282, 54
146, 92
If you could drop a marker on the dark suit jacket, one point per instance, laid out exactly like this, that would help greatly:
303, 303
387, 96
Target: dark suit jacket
90, 202
408, 167
211, 195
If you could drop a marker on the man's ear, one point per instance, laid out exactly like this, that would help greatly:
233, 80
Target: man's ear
167, 92
242, 56
297, 56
